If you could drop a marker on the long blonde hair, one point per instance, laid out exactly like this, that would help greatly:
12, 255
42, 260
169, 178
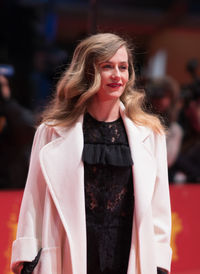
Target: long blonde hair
82, 80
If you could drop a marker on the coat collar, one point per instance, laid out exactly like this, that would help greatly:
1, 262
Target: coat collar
144, 168
140, 132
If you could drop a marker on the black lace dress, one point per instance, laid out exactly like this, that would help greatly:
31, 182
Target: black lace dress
108, 195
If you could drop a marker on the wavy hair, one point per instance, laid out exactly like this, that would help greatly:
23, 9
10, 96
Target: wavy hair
82, 80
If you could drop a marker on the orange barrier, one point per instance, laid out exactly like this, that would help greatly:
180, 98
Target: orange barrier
185, 241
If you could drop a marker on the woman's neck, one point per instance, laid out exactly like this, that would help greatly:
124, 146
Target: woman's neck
106, 111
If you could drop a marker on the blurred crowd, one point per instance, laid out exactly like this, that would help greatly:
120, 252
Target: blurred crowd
178, 107
16, 135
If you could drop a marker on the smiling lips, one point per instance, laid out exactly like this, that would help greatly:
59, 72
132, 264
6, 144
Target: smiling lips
114, 85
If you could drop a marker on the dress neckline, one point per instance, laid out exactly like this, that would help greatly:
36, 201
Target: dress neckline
102, 122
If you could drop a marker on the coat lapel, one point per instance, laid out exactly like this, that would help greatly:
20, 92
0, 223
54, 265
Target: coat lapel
144, 168
62, 166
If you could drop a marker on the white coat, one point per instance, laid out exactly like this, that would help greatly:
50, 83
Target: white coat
52, 214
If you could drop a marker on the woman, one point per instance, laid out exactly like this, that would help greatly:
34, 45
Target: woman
97, 196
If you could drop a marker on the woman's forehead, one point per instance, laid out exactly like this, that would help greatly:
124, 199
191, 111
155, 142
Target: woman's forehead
120, 54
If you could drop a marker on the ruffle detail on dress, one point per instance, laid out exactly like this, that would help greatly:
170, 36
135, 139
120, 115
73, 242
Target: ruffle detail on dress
115, 155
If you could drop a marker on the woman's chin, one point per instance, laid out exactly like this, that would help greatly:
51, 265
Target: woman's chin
114, 95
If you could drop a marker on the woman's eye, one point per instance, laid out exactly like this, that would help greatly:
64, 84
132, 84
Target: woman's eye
110, 66
123, 67
106, 66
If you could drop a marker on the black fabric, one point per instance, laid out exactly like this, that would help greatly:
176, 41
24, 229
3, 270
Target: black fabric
161, 271
105, 143
28, 267
108, 196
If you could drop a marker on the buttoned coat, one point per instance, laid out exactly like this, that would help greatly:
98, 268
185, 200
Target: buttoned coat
52, 215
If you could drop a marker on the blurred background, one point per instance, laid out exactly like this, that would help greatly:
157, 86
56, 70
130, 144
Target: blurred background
37, 39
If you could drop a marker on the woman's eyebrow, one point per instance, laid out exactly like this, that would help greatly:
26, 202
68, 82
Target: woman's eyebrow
110, 62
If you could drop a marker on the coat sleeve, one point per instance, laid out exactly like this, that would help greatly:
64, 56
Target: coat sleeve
28, 240
161, 208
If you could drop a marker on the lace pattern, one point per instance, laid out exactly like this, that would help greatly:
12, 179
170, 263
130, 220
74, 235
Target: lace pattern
108, 196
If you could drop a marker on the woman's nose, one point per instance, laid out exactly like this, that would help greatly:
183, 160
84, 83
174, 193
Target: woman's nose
116, 74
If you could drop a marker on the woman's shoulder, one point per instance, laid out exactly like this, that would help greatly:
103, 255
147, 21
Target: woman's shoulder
152, 138
154, 142
47, 128
146, 131
44, 129
45, 133
145, 123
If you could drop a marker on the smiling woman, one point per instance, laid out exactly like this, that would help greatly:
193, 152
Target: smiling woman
97, 196
114, 76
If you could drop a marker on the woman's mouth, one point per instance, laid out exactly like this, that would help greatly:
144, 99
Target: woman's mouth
114, 85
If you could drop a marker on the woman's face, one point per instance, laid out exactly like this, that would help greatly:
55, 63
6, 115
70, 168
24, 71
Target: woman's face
114, 76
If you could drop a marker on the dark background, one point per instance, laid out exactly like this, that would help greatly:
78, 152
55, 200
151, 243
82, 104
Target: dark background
38, 37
